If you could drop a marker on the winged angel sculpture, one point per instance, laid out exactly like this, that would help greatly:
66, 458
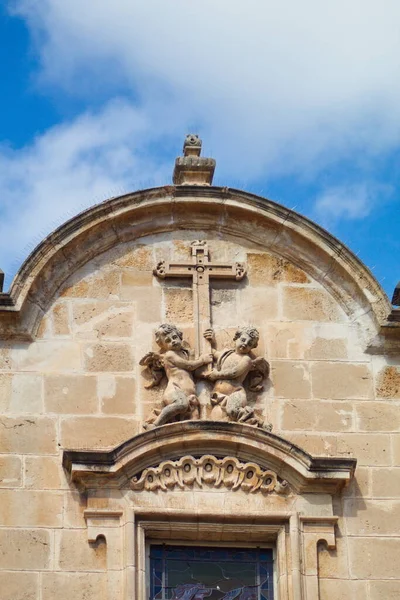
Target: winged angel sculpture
173, 360
235, 370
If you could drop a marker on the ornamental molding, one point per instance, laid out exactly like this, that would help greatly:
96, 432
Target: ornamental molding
208, 470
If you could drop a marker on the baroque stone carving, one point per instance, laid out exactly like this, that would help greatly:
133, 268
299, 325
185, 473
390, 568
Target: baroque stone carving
208, 470
236, 368
173, 360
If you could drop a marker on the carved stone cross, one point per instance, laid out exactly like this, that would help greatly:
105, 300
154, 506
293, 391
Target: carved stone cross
200, 270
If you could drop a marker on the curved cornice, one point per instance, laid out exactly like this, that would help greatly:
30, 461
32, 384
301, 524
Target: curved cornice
228, 211
117, 467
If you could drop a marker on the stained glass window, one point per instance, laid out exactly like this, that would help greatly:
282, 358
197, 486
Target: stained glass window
193, 573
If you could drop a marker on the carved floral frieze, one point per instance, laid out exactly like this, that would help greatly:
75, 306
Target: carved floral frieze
208, 470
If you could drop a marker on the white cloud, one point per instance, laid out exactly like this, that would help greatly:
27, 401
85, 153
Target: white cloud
351, 202
297, 84
69, 168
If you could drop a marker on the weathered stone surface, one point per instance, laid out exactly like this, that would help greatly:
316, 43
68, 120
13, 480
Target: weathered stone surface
28, 435
26, 508
370, 449
257, 305
75, 554
374, 558
388, 382
10, 471
24, 549
327, 349
42, 473
178, 305
70, 394
377, 416
100, 319
102, 284
310, 415
108, 357
117, 394
341, 381
147, 301
302, 303
139, 257
96, 432
342, 589
291, 379
79, 586
26, 394
45, 356
386, 483
61, 322
372, 517
384, 590
19, 585
266, 270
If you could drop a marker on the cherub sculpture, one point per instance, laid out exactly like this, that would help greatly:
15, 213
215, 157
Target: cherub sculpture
179, 401
236, 369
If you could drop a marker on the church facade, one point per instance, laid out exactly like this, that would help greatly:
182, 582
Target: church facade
199, 394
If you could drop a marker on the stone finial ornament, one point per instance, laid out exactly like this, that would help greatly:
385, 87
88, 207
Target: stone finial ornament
235, 369
179, 400
191, 168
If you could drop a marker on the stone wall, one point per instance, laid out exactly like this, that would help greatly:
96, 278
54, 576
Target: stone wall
79, 385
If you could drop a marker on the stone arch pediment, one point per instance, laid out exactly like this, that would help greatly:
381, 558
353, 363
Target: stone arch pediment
192, 440
159, 210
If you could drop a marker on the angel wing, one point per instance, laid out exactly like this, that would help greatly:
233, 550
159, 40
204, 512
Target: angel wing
259, 372
153, 362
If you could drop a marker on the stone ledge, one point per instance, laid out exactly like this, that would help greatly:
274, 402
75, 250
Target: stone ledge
116, 467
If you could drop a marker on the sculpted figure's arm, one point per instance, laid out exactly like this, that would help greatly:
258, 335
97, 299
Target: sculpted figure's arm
186, 364
241, 369
209, 335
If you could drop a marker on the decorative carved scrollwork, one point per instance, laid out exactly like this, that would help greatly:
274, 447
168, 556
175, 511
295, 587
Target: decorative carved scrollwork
211, 471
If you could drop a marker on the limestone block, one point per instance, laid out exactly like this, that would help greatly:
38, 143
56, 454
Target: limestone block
96, 432
117, 394
100, 284
327, 349
74, 506
108, 356
360, 485
60, 319
148, 302
291, 379
374, 558
224, 304
43, 473
385, 483
19, 585
45, 355
100, 319
26, 394
24, 549
178, 305
369, 449
10, 471
334, 563
257, 306
311, 415
266, 269
342, 589
29, 435
337, 381
309, 304
388, 382
76, 554
26, 508
384, 590
139, 257
377, 416
372, 517
76, 586
5, 357
5, 391
70, 394
314, 444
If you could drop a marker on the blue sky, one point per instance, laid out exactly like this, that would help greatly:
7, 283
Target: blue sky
298, 102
